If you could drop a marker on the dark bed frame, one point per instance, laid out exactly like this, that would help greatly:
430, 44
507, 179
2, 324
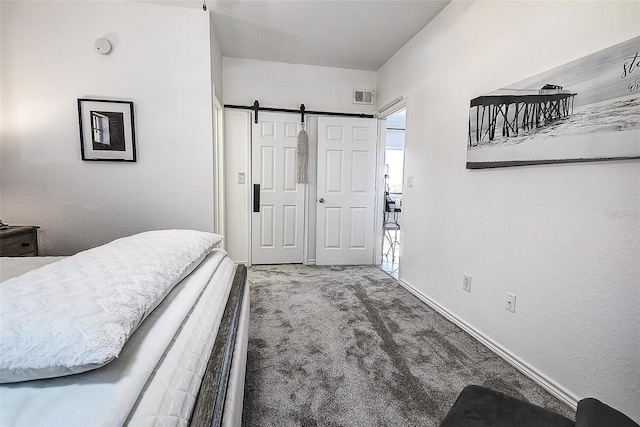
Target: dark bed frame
210, 402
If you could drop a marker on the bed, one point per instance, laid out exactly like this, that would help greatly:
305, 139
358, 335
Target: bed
150, 329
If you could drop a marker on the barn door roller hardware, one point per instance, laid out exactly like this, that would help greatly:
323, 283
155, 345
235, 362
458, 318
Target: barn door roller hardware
302, 110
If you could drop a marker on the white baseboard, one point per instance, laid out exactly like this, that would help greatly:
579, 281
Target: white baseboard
311, 262
544, 381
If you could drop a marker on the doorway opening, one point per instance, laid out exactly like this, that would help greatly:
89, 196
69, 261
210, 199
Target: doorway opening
393, 179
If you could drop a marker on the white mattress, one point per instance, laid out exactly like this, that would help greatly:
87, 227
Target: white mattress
15, 266
112, 395
170, 394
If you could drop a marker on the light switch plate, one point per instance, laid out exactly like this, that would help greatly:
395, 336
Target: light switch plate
511, 302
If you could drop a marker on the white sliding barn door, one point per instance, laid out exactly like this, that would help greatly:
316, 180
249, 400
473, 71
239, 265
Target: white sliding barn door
277, 219
346, 191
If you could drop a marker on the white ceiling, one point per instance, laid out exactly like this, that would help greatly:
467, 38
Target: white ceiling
361, 34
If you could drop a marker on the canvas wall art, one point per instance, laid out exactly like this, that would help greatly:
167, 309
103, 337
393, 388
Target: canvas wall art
586, 110
107, 130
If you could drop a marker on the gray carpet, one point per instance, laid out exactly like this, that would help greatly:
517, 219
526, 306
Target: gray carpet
348, 346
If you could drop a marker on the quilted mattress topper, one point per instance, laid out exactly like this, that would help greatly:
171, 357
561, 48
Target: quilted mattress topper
76, 314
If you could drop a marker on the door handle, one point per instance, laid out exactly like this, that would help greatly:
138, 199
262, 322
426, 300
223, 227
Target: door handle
321, 200
256, 197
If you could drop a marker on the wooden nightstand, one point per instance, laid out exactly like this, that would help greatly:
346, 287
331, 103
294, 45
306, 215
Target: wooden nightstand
19, 241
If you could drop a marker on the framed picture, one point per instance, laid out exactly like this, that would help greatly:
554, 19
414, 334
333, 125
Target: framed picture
585, 110
107, 130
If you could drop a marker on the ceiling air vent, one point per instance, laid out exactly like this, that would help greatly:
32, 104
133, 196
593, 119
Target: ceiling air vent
363, 96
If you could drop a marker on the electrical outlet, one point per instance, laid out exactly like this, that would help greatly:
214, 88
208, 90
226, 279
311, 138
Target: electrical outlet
240, 177
410, 181
511, 302
466, 283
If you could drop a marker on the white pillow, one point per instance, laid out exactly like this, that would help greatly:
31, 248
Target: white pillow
76, 314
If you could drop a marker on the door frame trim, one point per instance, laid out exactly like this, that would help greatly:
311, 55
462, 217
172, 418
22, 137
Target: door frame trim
219, 175
249, 185
401, 104
379, 201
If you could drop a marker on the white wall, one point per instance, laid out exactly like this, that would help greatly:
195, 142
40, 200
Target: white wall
217, 123
216, 62
237, 137
1, 97
278, 85
565, 239
161, 61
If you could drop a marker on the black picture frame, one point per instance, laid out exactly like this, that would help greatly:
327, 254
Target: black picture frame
107, 130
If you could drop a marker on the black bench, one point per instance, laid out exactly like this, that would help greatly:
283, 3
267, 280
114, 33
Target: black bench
478, 406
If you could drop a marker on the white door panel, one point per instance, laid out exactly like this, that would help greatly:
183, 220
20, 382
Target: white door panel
346, 190
277, 230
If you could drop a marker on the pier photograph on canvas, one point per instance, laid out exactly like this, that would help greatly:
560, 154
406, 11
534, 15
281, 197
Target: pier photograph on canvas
585, 110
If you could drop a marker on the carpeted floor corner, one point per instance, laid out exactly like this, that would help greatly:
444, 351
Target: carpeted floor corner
348, 346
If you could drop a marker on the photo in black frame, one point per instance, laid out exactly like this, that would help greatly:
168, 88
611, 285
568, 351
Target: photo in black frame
107, 130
